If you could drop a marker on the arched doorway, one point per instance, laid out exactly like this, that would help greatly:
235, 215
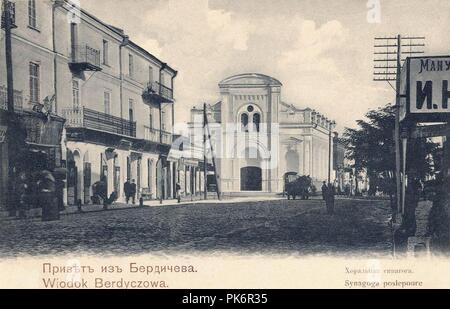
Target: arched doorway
116, 184
104, 169
138, 176
150, 176
251, 171
87, 178
160, 179
251, 178
73, 181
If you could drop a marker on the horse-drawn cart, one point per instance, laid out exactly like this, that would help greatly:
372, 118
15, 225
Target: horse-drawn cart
295, 185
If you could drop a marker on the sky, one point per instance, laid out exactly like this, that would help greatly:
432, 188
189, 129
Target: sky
321, 50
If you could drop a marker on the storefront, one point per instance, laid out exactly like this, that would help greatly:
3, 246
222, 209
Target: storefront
37, 148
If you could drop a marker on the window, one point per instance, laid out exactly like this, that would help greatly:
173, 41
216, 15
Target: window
105, 52
131, 109
244, 122
151, 120
32, 22
107, 102
75, 94
130, 65
34, 82
256, 121
73, 40
250, 120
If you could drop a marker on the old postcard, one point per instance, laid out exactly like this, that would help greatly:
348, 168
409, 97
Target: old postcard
162, 144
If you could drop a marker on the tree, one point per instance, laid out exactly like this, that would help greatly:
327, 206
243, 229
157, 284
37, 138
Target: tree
371, 148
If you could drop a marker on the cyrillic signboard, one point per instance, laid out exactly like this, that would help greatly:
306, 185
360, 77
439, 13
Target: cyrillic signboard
425, 81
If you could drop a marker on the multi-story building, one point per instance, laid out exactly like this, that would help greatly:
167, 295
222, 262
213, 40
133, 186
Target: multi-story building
34, 89
258, 138
117, 98
190, 167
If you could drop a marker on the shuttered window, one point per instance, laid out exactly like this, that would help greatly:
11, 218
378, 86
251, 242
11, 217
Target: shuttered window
130, 65
107, 102
34, 83
75, 94
32, 22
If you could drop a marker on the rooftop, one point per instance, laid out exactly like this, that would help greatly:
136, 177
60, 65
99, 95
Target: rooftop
250, 79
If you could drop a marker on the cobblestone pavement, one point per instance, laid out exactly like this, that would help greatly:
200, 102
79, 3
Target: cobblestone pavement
276, 226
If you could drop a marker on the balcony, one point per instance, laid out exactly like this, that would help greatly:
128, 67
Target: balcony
18, 99
153, 135
85, 58
156, 93
90, 119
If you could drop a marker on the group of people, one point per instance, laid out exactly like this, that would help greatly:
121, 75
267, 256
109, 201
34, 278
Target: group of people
129, 188
36, 189
100, 192
328, 193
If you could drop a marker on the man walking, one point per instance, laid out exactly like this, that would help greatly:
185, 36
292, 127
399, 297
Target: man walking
133, 191
324, 191
127, 190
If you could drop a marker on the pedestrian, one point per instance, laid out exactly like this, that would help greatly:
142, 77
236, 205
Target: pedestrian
133, 191
102, 188
79, 203
324, 191
127, 190
347, 190
178, 189
330, 198
23, 192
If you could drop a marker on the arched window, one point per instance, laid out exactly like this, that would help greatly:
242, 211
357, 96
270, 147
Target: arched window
256, 121
244, 122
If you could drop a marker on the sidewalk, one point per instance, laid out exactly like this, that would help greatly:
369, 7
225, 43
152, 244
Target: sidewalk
69, 210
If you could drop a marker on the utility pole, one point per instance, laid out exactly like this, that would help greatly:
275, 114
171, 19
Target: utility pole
397, 127
8, 25
205, 164
162, 161
213, 159
389, 50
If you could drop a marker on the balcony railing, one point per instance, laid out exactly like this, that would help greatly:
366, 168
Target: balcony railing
85, 58
158, 93
18, 99
87, 118
153, 135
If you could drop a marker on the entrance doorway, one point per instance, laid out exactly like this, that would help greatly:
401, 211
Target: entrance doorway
87, 182
251, 178
72, 188
138, 176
